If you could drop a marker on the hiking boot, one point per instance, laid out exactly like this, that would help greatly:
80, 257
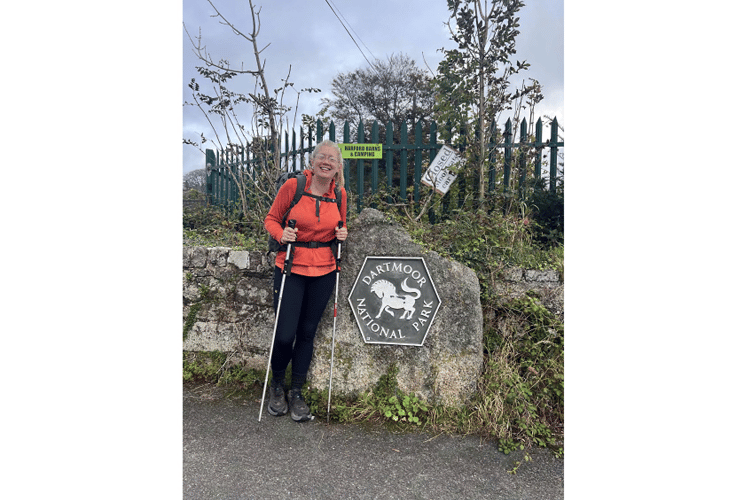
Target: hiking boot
277, 401
299, 410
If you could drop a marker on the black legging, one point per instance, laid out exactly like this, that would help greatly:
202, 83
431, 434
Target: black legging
303, 302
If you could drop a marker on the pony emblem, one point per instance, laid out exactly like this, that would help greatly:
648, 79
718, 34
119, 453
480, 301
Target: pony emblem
387, 292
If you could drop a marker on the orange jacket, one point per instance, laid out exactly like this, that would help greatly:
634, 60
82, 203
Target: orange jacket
307, 261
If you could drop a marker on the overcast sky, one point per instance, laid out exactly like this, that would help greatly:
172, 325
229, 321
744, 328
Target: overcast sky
307, 35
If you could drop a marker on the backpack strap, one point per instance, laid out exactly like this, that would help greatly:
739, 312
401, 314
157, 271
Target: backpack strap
338, 196
299, 191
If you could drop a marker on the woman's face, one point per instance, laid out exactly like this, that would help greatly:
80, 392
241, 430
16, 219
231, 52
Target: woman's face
326, 162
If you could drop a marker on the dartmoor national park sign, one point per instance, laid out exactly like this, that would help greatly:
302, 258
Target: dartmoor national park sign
394, 300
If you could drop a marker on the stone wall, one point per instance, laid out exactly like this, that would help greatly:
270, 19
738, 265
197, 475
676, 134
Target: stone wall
228, 306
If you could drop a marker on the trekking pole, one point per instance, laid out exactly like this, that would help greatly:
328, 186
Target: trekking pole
285, 272
334, 325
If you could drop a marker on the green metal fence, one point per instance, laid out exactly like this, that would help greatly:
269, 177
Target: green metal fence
396, 177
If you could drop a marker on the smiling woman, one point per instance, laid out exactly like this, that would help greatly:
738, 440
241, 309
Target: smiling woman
316, 224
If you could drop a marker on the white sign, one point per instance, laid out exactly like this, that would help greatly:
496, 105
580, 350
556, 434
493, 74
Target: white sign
438, 175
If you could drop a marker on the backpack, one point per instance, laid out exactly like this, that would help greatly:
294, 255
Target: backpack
274, 246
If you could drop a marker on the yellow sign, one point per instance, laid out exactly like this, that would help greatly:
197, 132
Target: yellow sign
360, 151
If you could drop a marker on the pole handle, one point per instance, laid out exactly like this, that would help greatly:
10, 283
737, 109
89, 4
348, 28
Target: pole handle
339, 247
288, 260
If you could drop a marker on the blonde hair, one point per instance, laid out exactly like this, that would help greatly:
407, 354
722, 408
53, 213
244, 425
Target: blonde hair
340, 179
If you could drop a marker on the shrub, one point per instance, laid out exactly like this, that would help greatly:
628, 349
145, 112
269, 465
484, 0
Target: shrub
548, 218
213, 226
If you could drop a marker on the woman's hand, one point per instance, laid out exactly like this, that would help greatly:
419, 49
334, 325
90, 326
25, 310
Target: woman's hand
340, 233
289, 235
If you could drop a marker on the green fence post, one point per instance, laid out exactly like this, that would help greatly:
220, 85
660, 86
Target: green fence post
222, 178
374, 164
538, 152
447, 198
346, 163
247, 186
253, 162
418, 129
431, 155
462, 178
233, 176
507, 153
273, 147
211, 177
433, 147
492, 158
554, 154
230, 181
389, 160
403, 162
522, 152
477, 200
226, 168
361, 173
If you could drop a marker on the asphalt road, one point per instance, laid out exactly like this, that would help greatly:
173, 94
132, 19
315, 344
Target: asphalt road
228, 454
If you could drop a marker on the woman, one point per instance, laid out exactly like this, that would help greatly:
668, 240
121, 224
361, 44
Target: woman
311, 281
